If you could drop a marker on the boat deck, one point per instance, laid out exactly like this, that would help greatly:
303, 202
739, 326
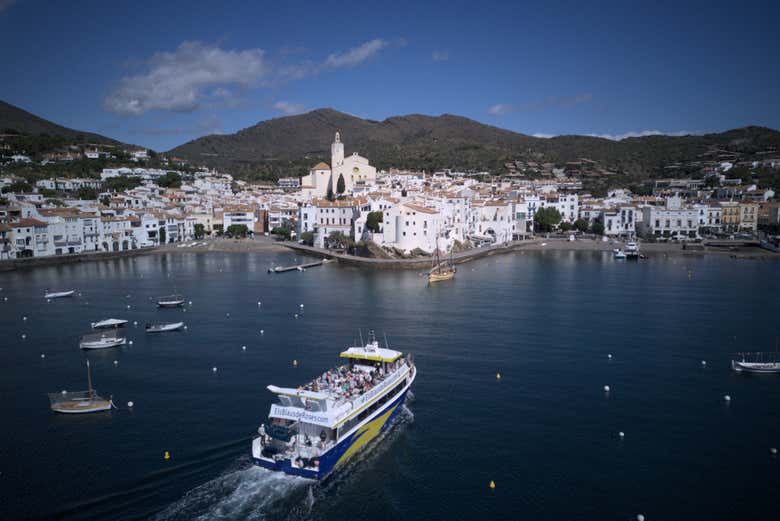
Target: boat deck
342, 384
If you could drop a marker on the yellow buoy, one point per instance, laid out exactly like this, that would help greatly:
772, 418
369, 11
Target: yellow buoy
295, 363
492, 484
167, 455
498, 376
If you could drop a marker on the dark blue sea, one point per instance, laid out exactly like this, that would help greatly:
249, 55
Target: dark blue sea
546, 433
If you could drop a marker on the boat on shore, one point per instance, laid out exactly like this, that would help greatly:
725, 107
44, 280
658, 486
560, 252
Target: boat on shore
79, 402
102, 340
316, 428
632, 250
163, 327
170, 301
58, 294
109, 323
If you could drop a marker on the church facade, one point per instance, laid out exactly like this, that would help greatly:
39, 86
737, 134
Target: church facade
355, 170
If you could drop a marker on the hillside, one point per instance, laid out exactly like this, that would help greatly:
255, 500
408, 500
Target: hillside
288, 145
16, 120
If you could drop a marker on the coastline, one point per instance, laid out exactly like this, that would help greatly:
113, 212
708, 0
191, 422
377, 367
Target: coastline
266, 244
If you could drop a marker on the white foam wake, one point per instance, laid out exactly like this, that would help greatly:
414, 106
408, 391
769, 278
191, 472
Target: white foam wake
249, 494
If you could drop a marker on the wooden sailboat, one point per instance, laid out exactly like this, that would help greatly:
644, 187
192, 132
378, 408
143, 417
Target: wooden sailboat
77, 402
441, 269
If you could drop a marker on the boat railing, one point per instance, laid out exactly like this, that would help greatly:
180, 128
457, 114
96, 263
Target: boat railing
770, 357
72, 396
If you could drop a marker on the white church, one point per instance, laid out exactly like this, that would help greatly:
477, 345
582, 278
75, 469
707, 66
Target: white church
357, 173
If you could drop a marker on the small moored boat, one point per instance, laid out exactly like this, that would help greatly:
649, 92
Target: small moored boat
442, 269
618, 254
632, 250
760, 362
170, 301
79, 402
59, 294
163, 327
102, 340
109, 323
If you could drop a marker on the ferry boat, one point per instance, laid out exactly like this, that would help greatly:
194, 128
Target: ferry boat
315, 429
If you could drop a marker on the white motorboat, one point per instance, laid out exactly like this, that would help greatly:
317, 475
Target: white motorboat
170, 301
618, 254
760, 362
632, 250
316, 428
162, 328
58, 294
109, 323
101, 340
78, 402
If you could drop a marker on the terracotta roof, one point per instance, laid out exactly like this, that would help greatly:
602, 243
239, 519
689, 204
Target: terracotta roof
418, 208
24, 223
320, 166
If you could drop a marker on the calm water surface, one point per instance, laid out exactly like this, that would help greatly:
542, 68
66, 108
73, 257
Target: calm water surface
546, 433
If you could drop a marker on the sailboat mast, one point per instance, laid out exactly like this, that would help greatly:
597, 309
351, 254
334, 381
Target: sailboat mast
89, 379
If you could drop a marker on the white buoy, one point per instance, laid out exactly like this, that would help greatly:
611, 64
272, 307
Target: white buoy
24, 336
296, 315
703, 362
128, 306
130, 404
609, 356
640, 517
185, 327
116, 362
243, 348
259, 303
64, 391
135, 322
301, 306
727, 398
622, 434
262, 331
190, 302
48, 300
606, 388
24, 318
43, 355
213, 369
130, 342
227, 314
5, 298
773, 450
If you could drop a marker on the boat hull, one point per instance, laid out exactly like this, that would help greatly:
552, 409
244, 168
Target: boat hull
439, 277
59, 294
353, 444
176, 304
163, 329
103, 345
96, 406
758, 368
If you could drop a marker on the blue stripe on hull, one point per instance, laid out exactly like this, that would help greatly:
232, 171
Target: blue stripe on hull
338, 455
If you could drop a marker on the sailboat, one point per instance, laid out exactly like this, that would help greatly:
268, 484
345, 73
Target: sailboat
77, 402
441, 269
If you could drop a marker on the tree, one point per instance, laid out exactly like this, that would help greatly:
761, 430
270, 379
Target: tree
237, 230
86, 192
340, 241
581, 225
547, 218
169, 180
565, 226
18, 187
162, 235
340, 185
46, 192
282, 232
121, 183
199, 231
329, 195
597, 228
374, 221
308, 238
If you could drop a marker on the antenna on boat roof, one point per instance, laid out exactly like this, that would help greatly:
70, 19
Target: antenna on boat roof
361, 337
387, 344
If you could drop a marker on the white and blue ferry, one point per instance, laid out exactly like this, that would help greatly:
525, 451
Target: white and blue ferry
316, 428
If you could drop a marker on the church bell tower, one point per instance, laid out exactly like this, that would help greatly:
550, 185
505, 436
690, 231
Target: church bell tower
336, 152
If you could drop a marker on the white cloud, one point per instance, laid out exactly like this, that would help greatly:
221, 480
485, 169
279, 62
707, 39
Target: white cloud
285, 107
641, 133
440, 56
356, 55
500, 109
5, 4
176, 80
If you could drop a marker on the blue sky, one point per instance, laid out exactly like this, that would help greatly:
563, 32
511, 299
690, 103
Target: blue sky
163, 73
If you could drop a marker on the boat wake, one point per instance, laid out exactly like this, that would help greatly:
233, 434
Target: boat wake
252, 493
